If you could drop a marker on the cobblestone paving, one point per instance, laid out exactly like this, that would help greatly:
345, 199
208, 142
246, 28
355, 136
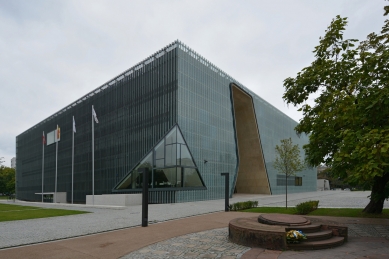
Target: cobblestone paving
215, 244
207, 244
356, 230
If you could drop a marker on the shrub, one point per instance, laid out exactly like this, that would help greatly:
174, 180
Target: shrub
306, 207
315, 204
243, 205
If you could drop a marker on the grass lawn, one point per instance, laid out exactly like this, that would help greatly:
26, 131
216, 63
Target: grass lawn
9, 212
357, 213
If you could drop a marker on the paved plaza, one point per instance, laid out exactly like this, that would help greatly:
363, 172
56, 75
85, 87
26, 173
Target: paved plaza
215, 244
198, 236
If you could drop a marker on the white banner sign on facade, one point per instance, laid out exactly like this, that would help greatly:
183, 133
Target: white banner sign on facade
50, 139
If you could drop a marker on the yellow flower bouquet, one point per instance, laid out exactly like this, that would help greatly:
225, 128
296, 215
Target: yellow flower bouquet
295, 236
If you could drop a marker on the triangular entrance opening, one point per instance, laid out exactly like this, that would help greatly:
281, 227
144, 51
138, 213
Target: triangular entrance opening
170, 164
252, 175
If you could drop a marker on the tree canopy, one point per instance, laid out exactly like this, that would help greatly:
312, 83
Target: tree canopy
348, 124
7, 179
288, 160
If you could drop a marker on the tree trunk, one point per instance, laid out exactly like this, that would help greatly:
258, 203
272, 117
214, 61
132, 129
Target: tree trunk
286, 191
377, 196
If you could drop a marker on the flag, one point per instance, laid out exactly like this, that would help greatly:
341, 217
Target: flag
74, 125
43, 138
94, 115
58, 133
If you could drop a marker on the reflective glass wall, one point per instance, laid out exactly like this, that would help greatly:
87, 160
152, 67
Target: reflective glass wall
135, 110
205, 118
273, 126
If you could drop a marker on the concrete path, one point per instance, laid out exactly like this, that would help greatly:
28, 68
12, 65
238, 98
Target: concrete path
185, 237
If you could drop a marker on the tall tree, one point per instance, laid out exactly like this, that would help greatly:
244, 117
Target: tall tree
7, 179
348, 124
288, 162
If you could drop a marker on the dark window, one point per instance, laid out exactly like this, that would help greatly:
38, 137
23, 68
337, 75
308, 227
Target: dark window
298, 181
292, 180
191, 178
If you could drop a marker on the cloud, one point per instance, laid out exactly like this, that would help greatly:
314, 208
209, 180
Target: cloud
54, 52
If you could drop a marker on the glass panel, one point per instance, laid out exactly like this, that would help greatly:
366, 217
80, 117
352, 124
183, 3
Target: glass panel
134, 179
131, 181
147, 162
186, 158
171, 155
166, 155
139, 179
126, 182
180, 139
171, 137
179, 177
159, 152
178, 155
165, 178
191, 178
160, 163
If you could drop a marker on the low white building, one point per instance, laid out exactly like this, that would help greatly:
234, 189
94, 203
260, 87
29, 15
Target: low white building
13, 162
323, 185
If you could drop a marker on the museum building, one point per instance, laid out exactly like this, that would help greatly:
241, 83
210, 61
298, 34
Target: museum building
174, 113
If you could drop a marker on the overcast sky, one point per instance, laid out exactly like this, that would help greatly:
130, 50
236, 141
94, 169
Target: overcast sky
54, 52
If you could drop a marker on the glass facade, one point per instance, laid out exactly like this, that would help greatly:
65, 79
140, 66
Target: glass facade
273, 126
170, 165
205, 115
172, 113
135, 110
206, 121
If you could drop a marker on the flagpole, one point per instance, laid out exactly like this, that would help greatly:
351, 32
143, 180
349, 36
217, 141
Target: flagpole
56, 167
93, 160
43, 161
72, 159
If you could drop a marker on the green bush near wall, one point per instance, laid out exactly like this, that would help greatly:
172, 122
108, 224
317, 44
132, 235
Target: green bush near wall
244, 205
306, 207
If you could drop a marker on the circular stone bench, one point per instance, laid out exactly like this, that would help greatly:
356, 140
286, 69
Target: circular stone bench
248, 232
283, 220
269, 231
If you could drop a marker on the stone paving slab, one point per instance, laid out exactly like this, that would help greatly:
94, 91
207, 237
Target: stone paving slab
215, 244
206, 244
356, 247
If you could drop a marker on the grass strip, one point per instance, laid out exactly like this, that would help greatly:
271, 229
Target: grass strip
10, 212
334, 212
10, 207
